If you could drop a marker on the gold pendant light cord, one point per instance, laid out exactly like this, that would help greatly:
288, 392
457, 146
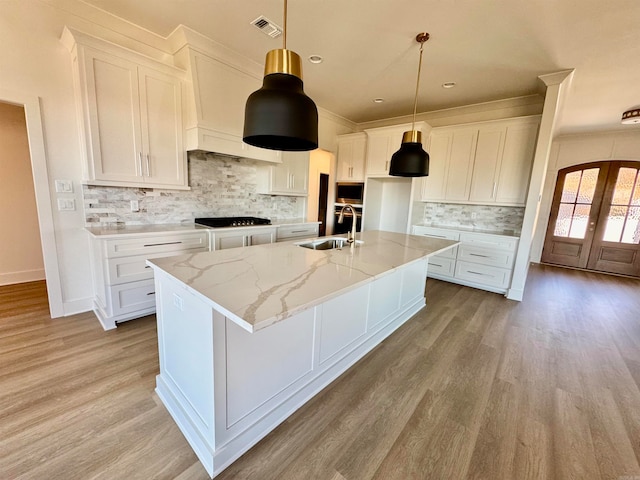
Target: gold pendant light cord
284, 33
415, 103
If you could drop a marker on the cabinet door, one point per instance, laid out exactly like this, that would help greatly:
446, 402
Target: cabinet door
463, 148
519, 148
433, 186
260, 238
345, 160
378, 154
358, 159
161, 120
223, 241
113, 117
487, 164
298, 165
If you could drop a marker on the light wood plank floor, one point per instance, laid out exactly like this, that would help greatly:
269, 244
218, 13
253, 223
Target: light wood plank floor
476, 387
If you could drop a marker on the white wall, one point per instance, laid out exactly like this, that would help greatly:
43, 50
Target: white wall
20, 248
570, 150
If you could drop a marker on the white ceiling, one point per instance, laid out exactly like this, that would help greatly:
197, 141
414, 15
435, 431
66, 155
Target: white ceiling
492, 49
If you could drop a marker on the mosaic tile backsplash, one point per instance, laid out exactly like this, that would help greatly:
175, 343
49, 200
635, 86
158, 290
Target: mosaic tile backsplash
220, 187
486, 216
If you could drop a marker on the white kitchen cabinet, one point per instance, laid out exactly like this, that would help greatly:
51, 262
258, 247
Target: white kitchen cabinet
481, 260
297, 231
517, 160
484, 163
290, 177
123, 283
352, 149
215, 111
131, 108
382, 143
242, 237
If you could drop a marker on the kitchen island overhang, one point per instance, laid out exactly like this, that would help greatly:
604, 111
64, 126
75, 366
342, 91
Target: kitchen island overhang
246, 336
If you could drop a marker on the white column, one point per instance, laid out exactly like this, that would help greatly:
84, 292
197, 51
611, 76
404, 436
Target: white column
556, 84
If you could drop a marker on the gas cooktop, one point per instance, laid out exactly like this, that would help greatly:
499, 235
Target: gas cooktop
221, 222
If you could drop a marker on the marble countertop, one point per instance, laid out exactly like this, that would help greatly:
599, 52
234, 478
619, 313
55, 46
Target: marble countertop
259, 286
472, 229
115, 231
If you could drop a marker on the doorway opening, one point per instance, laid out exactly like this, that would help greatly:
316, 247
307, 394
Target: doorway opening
323, 198
595, 218
21, 258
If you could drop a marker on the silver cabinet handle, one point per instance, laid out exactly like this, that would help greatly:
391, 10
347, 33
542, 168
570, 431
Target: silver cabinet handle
151, 293
478, 255
148, 166
386, 165
158, 244
435, 265
140, 163
493, 193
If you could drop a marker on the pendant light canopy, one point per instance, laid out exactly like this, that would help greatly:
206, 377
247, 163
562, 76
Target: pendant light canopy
280, 116
411, 160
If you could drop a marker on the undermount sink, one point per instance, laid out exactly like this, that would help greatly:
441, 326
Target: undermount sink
327, 243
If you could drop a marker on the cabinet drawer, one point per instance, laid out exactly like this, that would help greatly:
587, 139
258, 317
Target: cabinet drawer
134, 268
483, 274
441, 265
297, 231
439, 233
485, 256
156, 244
133, 297
485, 240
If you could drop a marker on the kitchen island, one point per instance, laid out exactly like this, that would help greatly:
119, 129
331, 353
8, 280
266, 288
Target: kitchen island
247, 336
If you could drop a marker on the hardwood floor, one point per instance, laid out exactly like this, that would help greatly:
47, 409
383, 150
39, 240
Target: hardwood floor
475, 387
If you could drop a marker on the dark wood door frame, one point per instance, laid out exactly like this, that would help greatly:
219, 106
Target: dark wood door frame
592, 252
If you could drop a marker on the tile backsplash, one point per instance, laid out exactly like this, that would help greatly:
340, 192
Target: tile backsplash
220, 187
486, 216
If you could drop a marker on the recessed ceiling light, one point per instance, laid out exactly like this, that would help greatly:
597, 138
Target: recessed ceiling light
378, 100
315, 59
448, 84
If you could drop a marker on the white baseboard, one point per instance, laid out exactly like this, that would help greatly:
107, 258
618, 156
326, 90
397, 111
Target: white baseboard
22, 277
80, 305
515, 294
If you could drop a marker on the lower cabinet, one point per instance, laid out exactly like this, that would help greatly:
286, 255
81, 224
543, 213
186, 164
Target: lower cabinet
481, 260
245, 237
292, 232
123, 283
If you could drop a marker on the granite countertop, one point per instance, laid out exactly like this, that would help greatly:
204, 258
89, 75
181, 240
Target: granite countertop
472, 229
259, 286
114, 231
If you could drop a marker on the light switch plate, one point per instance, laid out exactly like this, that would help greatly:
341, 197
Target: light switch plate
66, 204
64, 186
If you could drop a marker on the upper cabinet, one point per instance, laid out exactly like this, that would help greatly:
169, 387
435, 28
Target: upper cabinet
483, 163
215, 106
290, 177
352, 149
132, 116
383, 142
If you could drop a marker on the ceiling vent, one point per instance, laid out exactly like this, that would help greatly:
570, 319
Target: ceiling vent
267, 27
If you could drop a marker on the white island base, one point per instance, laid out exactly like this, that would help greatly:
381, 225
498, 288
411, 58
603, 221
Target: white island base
227, 387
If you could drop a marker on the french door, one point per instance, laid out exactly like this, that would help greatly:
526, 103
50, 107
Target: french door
595, 218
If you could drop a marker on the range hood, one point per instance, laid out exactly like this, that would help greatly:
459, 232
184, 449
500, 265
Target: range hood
218, 83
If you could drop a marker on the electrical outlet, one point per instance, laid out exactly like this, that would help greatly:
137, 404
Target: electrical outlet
135, 206
474, 215
66, 204
64, 186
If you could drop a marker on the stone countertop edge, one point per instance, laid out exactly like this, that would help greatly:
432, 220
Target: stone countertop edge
471, 229
166, 265
140, 230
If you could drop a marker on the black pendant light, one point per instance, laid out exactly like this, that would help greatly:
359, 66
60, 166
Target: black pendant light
411, 160
280, 116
